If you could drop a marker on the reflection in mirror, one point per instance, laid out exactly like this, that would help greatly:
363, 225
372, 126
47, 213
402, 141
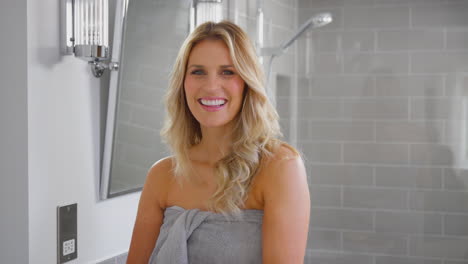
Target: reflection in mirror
153, 33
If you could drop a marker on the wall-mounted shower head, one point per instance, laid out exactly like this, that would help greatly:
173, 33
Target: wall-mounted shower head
315, 21
321, 19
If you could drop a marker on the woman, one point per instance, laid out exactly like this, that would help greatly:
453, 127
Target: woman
232, 192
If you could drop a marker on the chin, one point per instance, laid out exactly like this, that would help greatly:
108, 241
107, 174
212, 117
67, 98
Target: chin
215, 123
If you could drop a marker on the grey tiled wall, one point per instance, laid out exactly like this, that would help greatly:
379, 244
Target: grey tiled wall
382, 110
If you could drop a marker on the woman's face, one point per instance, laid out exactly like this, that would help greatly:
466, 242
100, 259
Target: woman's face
213, 87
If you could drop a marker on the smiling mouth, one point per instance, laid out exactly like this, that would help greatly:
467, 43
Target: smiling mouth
212, 103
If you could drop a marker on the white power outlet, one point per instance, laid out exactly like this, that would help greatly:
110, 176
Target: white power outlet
68, 247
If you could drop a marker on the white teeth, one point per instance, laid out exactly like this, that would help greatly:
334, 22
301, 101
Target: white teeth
213, 102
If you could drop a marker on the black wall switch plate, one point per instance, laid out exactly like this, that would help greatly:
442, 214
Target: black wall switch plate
67, 246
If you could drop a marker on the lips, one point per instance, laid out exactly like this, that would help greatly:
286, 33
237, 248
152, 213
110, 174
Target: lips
212, 104
212, 101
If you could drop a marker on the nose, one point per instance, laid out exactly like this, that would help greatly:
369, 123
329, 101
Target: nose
213, 83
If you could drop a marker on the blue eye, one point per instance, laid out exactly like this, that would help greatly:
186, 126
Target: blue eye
228, 72
197, 72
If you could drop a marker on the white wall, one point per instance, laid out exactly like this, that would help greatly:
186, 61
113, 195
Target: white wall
13, 133
65, 128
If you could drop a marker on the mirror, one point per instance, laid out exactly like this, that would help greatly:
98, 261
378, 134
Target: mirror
147, 36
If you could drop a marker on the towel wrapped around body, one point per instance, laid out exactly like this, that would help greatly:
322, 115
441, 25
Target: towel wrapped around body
201, 237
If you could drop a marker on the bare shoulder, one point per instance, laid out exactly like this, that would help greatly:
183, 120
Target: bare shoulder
150, 212
285, 152
159, 178
161, 168
283, 169
286, 207
284, 159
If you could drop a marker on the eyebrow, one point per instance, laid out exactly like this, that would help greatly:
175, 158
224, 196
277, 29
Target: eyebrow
201, 66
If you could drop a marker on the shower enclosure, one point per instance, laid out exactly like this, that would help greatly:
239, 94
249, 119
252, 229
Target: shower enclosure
376, 101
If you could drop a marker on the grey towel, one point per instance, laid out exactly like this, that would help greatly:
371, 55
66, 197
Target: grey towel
196, 237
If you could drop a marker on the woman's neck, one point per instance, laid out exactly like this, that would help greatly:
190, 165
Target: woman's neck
215, 144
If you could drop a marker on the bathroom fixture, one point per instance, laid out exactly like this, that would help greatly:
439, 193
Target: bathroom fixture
120, 27
85, 32
259, 27
122, 172
205, 10
315, 21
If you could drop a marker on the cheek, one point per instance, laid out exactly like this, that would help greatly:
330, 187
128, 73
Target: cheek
189, 87
238, 87
189, 93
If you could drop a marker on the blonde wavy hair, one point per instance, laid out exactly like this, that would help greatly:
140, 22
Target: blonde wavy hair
256, 131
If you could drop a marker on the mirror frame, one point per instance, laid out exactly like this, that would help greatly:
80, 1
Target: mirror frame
120, 22
117, 52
